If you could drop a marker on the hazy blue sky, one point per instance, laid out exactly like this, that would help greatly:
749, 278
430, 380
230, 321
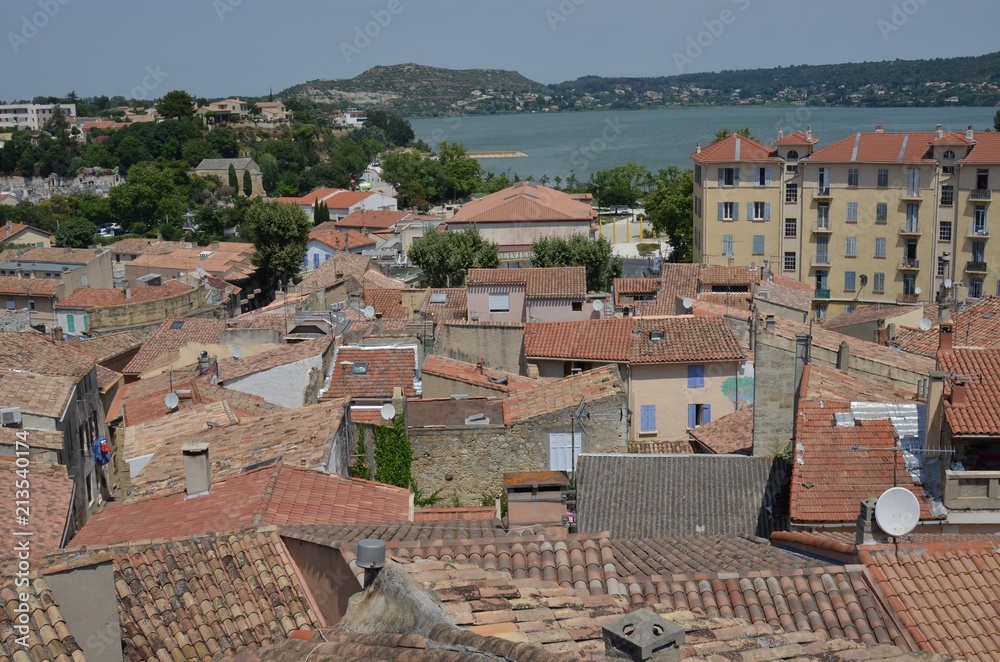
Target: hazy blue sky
217, 48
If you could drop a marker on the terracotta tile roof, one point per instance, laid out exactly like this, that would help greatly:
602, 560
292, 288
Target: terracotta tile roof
95, 297
231, 368
487, 513
107, 378
534, 479
630, 287
824, 382
339, 240
830, 478
36, 394
600, 340
732, 433
875, 147
974, 325
739, 300
38, 439
301, 437
347, 199
48, 637
42, 287
524, 202
736, 149
10, 230
277, 494
539, 283
147, 437
815, 542
455, 304
375, 278
864, 314
726, 276
979, 414
235, 265
552, 396
105, 348
986, 151
436, 529
660, 447
30, 350
340, 265
201, 597
679, 281
162, 347
77, 256
443, 367
945, 594
372, 220
385, 369
797, 138
144, 245
788, 292
314, 196
387, 302
51, 498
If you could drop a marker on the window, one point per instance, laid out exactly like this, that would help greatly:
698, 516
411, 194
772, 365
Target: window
851, 247
793, 155
699, 415
944, 231
729, 177
647, 419
788, 263
948, 170
823, 216
883, 177
792, 168
759, 211
823, 182
852, 177
727, 245
729, 211
697, 174
878, 284
942, 266
949, 155
84, 281
27, 274
979, 227
758, 244
791, 228
31, 304
791, 193
976, 287
10, 304
697, 206
848, 309
500, 303
315, 260
360, 368
879, 246
850, 279
564, 449
762, 177
852, 212
912, 217
820, 312
696, 376
577, 306
947, 195
881, 212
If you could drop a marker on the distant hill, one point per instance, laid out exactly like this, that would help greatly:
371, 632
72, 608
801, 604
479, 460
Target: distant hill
412, 89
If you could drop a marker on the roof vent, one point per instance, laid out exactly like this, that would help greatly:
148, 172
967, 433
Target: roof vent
642, 635
197, 476
656, 336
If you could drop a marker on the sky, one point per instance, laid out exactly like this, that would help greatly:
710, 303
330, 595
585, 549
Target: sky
219, 48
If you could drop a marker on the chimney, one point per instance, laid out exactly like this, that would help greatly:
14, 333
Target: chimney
371, 557
697, 148
204, 362
197, 477
959, 393
781, 132
809, 132
802, 346
969, 133
939, 133
878, 129
935, 410
945, 341
641, 636
128, 293
843, 356
57, 334
479, 366
864, 532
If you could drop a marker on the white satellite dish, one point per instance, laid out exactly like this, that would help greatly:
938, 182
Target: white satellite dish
687, 303
948, 283
598, 305
200, 269
926, 324
171, 400
917, 291
369, 312
897, 511
388, 412
237, 351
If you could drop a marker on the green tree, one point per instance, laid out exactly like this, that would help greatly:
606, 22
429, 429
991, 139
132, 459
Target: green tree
460, 175
399, 130
621, 185
996, 121
195, 151
595, 255
177, 104
247, 184
724, 133
669, 207
279, 233
321, 213
446, 257
76, 233
224, 141
234, 182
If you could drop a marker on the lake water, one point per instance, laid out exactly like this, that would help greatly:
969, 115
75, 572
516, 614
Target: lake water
561, 143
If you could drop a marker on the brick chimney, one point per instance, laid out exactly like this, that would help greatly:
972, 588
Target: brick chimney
945, 339
197, 473
57, 334
959, 393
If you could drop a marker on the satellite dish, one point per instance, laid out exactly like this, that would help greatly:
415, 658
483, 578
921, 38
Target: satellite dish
388, 412
948, 283
897, 511
598, 305
171, 400
237, 351
200, 269
926, 324
917, 291
369, 312
687, 303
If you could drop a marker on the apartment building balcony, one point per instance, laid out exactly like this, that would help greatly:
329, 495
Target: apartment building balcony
909, 230
822, 294
823, 193
821, 261
822, 228
909, 264
907, 298
912, 196
975, 267
972, 490
979, 232
981, 194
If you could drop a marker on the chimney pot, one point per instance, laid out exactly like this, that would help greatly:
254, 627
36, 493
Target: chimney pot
843, 356
878, 128
371, 557
781, 132
197, 476
945, 338
643, 635
57, 334
970, 133
959, 393
697, 148
809, 132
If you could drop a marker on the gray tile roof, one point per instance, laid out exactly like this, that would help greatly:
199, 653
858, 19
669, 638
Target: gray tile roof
642, 496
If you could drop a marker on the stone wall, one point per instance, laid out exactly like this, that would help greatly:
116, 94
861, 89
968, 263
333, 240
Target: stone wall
14, 321
773, 395
499, 346
146, 312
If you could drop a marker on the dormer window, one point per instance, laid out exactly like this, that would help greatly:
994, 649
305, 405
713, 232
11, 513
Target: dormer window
949, 155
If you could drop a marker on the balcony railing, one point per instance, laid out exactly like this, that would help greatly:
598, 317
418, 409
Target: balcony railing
912, 196
822, 228
823, 192
909, 264
972, 490
910, 230
822, 294
975, 267
981, 194
821, 260
980, 232
907, 298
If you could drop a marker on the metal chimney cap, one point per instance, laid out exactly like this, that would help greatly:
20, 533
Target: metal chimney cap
371, 553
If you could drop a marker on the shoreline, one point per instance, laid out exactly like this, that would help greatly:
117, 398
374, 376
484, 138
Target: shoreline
497, 154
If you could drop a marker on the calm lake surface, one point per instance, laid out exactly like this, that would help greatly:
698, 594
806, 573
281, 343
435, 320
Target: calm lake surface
561, 143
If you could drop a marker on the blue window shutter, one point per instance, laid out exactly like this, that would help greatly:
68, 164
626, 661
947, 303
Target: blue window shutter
696, 376
692, 416
722, 211
749, 211
722, 176
736, 211
648, 418
767, 176
70, 324
315, 260
736, 176
767, 211
706, 414
86, 322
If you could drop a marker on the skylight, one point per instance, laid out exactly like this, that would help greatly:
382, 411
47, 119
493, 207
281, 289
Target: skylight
360, 368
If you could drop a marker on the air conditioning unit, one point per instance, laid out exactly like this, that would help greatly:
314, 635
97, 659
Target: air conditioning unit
10, 416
